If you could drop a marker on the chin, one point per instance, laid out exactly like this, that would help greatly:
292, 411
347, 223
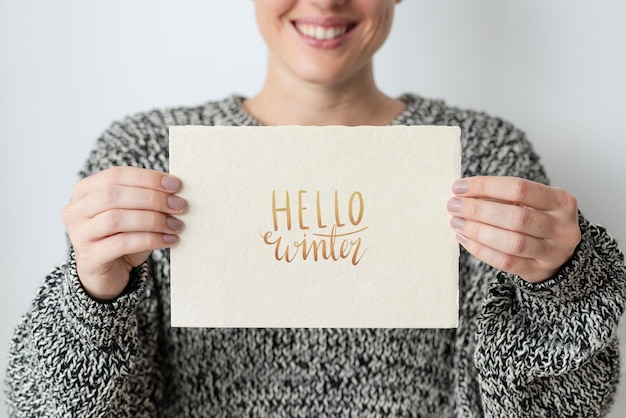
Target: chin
323, 79
324, 74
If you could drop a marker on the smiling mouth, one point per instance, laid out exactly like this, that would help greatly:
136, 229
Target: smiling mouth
323, 33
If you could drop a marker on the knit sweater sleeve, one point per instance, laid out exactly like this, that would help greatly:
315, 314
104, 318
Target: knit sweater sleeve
74, 356
547, 349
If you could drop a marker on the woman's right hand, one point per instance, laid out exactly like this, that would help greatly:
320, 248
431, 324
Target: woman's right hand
115, 219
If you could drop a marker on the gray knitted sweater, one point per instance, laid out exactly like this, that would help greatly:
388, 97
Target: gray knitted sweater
524, 350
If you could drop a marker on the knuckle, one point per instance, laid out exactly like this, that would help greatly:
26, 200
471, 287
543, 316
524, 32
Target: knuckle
120, 244
67, 214
114, 174
572, 202
154, 199
506, 263
521, 218
518, 245
565, 200
112, 220
154, 221
471, 208
519, 189
80, 186
110, 194
151, 240
480, 234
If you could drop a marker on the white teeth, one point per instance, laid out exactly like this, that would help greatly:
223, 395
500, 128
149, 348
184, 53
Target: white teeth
321, 33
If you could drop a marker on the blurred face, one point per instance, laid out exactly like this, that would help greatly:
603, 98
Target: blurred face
323, 41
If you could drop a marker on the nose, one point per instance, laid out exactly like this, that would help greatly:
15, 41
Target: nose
328, 4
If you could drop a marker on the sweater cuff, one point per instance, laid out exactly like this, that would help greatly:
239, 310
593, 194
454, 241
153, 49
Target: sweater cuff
101, 325
586, 280
549, 328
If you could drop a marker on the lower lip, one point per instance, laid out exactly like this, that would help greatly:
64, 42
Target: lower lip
325, 43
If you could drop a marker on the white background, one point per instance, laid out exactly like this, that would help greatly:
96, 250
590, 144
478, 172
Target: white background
68, 68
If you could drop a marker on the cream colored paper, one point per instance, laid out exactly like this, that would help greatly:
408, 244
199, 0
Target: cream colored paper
394, 259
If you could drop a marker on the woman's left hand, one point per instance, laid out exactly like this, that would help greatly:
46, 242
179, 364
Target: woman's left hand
515, 225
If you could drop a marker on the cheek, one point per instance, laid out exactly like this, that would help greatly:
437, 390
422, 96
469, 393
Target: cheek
269, 13
380, 25
386, 12
269, 9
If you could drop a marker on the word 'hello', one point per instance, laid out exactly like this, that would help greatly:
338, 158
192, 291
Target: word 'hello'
328, 244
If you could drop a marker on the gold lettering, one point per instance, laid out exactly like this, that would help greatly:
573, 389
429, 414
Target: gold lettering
319, 212
266, 238
333, 245
355, 259
286, 209
337, 221
301, 209
350, 207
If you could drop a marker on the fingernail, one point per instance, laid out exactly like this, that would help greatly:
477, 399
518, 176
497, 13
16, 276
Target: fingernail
174, 224
460, 187
170, 183
457, 223
176, 202
461, 238
454, 204
170, 239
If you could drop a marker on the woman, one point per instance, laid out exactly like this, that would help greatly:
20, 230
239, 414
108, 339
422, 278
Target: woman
541, 289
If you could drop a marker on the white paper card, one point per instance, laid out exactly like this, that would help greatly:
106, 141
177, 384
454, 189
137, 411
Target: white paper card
315, 227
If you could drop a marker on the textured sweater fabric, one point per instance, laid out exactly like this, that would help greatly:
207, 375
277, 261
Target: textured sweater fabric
520, 350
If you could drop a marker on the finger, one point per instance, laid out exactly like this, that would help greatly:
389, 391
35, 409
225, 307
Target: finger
513, 190
117, 220
501, 240
503, 215
128, 176
125, 197
115, 246
529, 269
